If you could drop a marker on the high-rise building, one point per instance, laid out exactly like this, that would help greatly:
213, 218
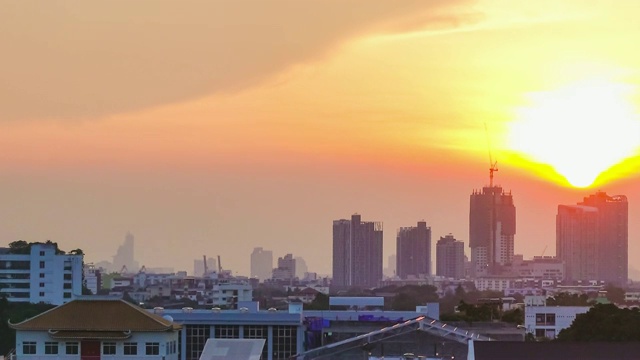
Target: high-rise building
261, 263
124, 258
301, 267
450, 258
492, 226
592, 238
413, 251
286, 269
391, 269
357, 252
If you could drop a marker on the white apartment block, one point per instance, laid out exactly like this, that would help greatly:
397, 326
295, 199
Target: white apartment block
92, 278
548, 321
493, 283
41, 276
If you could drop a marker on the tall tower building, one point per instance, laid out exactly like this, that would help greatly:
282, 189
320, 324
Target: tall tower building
492, 227
261, 263
592, 239
286, 269
450, 258
301, 267
413, 249
124, 257
357, 252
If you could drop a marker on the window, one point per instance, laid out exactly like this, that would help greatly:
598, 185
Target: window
284, 341
227, 332
67, 295
71, 348
41, 293
41, 275
51, 348
197, 336
29, 347
41, 284
108, 348
152, 348
41, 253
546, 319
551, 319
41, 264
66, 286
130, 348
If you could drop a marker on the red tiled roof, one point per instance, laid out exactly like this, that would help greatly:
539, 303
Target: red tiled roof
103, 315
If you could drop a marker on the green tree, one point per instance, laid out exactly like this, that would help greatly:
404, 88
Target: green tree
515, 316
479, 312
15, 312
566, 299
604, 322
76, 252
320, 302
19, 247
410, 296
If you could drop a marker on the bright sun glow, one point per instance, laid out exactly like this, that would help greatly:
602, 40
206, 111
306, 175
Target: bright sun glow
581, 130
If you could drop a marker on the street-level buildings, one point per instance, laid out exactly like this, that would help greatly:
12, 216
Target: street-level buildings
413, 251
357, 252
450, 258
42, 275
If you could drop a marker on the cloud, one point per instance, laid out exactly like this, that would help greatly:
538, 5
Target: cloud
84, 59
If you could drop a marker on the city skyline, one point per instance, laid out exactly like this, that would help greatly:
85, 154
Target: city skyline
149, 118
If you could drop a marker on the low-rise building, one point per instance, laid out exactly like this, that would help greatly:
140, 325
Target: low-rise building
97, 328
548, 321
92, 278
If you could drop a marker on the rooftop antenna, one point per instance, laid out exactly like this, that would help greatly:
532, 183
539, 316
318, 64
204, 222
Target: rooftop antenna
493, 165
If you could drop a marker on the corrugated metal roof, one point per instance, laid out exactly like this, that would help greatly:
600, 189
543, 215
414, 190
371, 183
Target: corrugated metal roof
97, 316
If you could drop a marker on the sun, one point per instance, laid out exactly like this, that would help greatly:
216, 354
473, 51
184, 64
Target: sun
580, 130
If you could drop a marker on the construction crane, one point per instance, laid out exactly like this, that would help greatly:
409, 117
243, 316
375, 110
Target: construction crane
219, 265
206, 270
493, 165
543, 251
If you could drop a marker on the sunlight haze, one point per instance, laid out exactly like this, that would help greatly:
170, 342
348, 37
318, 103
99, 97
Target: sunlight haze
213, 127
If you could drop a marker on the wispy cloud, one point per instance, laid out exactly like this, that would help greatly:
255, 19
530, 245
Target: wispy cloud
78, 59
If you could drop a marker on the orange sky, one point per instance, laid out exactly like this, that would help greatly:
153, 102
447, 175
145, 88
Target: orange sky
211, 127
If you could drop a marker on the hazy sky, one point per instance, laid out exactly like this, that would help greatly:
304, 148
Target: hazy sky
211, 127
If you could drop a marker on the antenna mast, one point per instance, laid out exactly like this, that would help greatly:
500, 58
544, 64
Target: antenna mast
493, 165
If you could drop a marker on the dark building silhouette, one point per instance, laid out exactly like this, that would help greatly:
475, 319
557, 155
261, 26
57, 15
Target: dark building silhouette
450, 258
357, 252
492, 227
413, 251
592, 238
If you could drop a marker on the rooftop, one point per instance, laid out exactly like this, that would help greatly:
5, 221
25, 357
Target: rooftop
96, 315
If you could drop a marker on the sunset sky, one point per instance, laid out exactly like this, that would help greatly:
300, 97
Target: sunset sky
212, 127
